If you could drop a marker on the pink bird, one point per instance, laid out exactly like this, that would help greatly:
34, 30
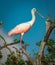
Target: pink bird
24, 27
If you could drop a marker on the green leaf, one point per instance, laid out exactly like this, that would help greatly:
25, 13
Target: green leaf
50, 42
1, 23
38, 43
15, 40
1, 55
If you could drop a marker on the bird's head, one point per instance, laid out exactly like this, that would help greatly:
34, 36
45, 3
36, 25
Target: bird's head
34, 10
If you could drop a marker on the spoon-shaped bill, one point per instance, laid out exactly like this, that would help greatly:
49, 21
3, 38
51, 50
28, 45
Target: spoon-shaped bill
40, 14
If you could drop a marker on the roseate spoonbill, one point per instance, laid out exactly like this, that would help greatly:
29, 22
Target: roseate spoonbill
24, 27
48, 23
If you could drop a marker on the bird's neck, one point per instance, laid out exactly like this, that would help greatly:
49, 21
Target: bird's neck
33, 19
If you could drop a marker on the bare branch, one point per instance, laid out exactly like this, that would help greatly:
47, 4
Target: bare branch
28, 56
41, 52
7, 45
3, 39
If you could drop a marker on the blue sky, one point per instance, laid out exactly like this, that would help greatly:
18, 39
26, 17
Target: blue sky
14, 12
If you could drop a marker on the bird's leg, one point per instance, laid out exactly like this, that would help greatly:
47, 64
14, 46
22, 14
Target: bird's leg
21, 39
21, 44
21, 35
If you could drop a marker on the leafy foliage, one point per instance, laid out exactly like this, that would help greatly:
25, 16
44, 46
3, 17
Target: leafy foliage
50, 57
50, 42
13, 59
1, 23
1, 55
38, 43
17, 41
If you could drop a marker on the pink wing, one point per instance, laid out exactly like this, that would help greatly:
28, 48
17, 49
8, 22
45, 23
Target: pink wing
24, 27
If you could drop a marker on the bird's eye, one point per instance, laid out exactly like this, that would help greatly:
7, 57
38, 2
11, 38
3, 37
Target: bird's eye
34, 10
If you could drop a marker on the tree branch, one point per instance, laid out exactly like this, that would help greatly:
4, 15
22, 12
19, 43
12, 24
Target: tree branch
3, 39
28, 56
23, 50
7, 45
39, 57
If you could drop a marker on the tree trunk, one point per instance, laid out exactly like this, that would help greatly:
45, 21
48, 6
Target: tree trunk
41, 52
